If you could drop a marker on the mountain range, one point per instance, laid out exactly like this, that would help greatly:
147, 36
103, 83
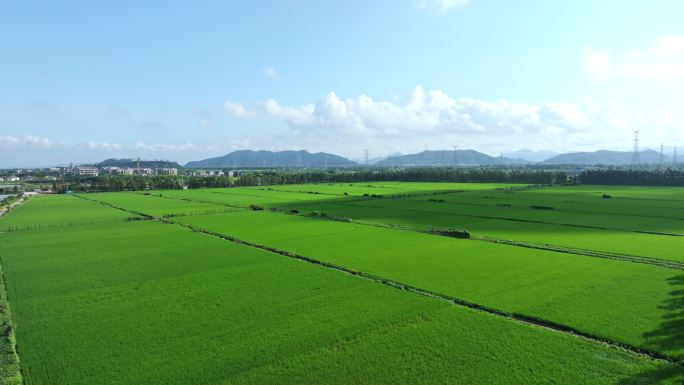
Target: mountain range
447, 158
249, 158
605, 157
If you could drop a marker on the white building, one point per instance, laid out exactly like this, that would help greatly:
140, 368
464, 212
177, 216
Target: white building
166, 171
87, 171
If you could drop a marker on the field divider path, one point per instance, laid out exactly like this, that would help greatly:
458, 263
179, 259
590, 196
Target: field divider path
512, 316
10, 369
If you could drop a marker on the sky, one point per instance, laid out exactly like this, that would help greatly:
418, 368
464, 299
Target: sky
81, 81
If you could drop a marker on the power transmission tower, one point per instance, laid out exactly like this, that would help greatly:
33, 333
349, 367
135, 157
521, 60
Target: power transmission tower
674, 156
662, 156
455, 154
365, 156
636, 161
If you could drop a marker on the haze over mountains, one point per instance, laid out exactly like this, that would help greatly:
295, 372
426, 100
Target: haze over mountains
249, 158
530, 155
604, 157
447, 158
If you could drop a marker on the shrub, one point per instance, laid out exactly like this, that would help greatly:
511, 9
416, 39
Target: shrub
536, 207
454, 233
294, 211
503, 204
342, 219
436, 200
316, 214
256, 208
606, 196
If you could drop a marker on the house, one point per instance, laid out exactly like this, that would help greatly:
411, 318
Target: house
166, 171
87, 171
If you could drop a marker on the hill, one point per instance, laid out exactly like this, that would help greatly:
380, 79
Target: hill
249, 158
605, 157
134, 163
447, 158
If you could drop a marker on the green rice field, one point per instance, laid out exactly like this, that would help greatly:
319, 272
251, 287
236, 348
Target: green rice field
345, 284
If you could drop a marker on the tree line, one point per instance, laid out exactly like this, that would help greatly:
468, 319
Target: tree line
635, 177
667, 177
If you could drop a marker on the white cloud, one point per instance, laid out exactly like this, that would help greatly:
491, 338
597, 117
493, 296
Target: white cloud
37, 142
103, 146
270, 73
599, 65
8, 141
236, 109
188, 146
433, 119
441, 6
426, 113
295, 115
663, 60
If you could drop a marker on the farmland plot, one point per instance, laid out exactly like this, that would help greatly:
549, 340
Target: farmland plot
113, 301
158, 304
612, 299
659, 247
58, 210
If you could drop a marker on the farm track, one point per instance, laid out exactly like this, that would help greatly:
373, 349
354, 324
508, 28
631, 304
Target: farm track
512, 316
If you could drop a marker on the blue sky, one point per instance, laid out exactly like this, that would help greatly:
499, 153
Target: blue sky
83, 80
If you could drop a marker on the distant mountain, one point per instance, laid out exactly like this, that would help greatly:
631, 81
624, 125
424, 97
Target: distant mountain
447, 158
249, 158
530, 155
605, 157
134, 163
375, 159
